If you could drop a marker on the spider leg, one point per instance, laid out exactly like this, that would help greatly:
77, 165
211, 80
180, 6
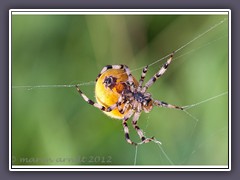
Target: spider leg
125, 127
129, 74
139, 131
144, 71
125, 107
120, 66
119, 105
159, 73
164, 104
91, 102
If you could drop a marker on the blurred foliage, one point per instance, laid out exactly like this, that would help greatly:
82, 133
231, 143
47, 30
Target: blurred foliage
55, 126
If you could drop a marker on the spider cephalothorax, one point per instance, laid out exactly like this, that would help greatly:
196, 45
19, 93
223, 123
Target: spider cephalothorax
138, 100
120, 95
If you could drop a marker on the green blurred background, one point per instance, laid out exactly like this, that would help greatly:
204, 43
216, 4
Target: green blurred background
54, 126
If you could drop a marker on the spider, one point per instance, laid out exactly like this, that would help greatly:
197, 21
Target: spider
121, 96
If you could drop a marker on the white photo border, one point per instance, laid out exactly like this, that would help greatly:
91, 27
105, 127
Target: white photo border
120, 12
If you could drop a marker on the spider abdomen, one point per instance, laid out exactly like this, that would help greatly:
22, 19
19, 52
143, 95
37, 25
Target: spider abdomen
107, 94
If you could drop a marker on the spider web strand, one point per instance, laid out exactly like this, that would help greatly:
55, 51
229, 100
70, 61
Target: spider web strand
202, 34
135, 156
188, 43
201, 102
165, 154
55, 86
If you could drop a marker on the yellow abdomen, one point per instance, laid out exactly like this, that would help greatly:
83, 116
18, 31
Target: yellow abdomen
108, 97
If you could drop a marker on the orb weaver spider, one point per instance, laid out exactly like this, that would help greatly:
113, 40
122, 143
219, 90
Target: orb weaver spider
121, 96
